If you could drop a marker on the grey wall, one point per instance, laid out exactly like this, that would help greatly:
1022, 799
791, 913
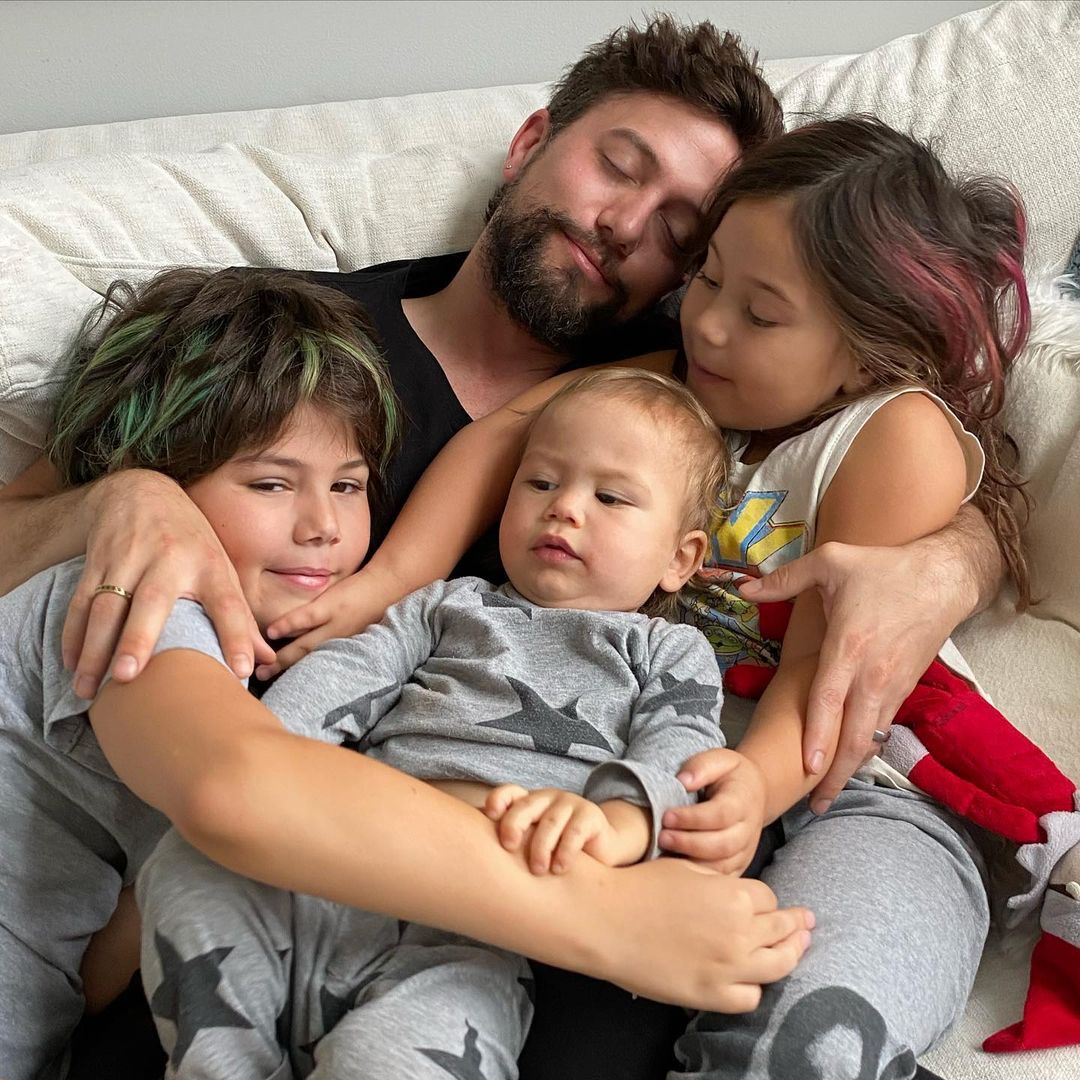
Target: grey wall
92, 61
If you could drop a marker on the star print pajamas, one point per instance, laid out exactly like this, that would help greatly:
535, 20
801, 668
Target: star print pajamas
460, 681
71, 834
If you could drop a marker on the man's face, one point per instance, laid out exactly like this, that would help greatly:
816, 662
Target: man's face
592, 226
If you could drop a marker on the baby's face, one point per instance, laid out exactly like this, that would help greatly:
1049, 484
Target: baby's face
594, 519
293, 518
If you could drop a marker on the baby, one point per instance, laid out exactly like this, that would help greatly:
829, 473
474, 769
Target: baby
558, 703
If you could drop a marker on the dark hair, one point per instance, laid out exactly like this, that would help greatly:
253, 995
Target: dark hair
196, 366
702, 450
923, 274
695, 64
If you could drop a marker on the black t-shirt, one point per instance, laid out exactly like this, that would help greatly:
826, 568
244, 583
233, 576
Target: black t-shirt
432, 412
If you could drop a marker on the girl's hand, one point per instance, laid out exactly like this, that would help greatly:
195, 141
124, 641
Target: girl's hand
346, 608
722, 832
561, 824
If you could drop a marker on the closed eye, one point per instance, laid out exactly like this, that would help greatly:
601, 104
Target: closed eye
756, 321
614, 169
710, 283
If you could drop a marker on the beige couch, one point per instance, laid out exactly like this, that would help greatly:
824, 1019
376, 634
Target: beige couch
347, 184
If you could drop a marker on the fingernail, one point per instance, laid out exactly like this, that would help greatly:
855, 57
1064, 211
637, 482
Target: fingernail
125, 668
806, 939
242, 666
264, 672
811, 920
817, 761
85, 687
663, 838
749, 585
820, 806
271, 633
685, 778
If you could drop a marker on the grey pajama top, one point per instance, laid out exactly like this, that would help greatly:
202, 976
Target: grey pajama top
463, 680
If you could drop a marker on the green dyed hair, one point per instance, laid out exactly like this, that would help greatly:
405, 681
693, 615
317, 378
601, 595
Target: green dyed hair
197, 366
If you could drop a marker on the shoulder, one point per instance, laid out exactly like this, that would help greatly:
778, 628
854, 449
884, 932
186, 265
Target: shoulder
670, 640
903, 476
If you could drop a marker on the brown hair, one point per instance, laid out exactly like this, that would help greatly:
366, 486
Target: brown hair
703, 452
695, 64
196, 366
922, 273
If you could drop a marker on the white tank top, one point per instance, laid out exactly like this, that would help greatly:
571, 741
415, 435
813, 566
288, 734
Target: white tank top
770, 520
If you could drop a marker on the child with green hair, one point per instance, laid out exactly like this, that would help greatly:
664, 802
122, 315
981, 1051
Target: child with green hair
261, 395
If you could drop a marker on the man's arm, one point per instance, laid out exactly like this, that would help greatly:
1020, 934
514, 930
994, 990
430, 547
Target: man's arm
40, 524
888, 612
141, 532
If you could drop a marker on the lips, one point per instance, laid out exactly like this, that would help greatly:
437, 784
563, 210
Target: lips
695, 370
591, 264
555, 549
305, 577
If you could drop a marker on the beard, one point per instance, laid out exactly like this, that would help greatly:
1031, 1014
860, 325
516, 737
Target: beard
544, 299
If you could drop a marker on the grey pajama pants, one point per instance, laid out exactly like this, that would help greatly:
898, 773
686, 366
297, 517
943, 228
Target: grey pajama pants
247, 981
902, 915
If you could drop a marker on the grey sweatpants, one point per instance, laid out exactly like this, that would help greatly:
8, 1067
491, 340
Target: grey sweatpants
901, 908
247, 981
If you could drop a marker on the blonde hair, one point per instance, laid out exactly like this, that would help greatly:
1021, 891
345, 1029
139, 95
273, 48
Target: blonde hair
704, 454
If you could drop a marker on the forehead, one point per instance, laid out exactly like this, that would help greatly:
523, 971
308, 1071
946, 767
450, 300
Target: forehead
313, 432
756, 235
690, 149
608, 429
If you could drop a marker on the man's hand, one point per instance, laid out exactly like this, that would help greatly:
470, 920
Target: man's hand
149, 538
562, 826
722, 832
346, 608
888, 610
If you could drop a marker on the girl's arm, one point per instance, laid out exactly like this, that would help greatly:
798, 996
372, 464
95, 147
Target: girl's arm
303, 815
459, 496
903, 478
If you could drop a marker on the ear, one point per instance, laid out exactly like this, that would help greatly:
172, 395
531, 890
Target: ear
530, 137
858, 379
686, 561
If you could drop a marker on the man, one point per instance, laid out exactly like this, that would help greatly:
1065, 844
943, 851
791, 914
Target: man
602, 192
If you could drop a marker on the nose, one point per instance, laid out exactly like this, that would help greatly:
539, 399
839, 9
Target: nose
316, 520
710, 322
623, 221
565, 505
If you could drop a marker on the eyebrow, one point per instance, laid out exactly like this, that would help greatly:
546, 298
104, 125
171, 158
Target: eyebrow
292, 463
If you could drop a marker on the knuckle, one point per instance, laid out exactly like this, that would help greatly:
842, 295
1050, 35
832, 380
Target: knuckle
831, 698
136, 642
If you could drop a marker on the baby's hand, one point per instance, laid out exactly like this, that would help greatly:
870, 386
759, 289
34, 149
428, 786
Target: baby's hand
562, 825
723, 831
345, 608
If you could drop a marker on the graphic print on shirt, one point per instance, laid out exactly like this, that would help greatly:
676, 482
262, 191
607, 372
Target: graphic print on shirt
747, 541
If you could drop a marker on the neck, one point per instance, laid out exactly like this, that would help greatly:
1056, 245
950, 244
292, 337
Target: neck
487, 356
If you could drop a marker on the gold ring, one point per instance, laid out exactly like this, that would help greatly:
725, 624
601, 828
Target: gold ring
119, 590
